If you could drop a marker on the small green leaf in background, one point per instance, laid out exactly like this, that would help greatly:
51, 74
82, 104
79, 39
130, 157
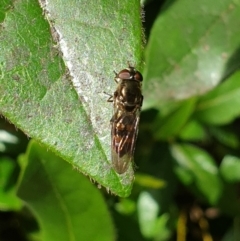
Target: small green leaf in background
171, 125
230, 168
221, 105
8, 199
151, 224
193, 131
148, 210
126, 206
199, 169
66, 204
149, 181
226, 136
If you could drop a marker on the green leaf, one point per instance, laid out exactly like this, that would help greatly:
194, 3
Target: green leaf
126, 206
8, 199
151, 224
171, 124
148, 181
67, 205
226, 136
230, 168
193, 131
39, 94
195, 167
221, 105
148, 210
193, 45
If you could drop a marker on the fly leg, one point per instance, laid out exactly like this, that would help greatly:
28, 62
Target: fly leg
110, 99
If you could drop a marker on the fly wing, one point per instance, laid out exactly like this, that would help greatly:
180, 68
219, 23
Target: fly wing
124, 134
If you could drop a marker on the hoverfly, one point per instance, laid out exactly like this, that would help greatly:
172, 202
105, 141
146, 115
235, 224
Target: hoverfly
127, 102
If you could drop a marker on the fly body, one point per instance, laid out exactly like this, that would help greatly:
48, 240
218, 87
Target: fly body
127, 102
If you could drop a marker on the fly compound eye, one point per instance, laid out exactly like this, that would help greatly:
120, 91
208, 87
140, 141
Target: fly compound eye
138, 76
124, 74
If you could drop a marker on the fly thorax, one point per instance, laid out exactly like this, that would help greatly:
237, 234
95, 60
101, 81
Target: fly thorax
130, 93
